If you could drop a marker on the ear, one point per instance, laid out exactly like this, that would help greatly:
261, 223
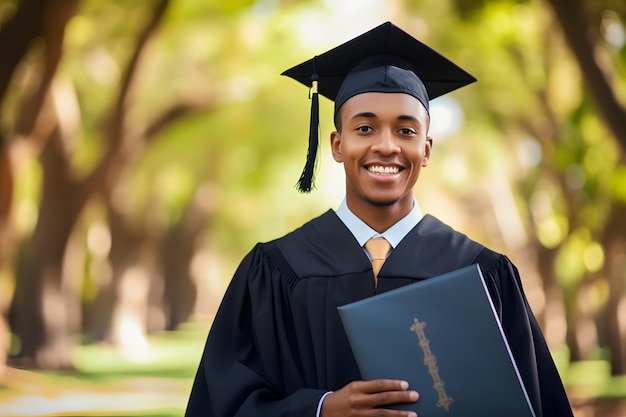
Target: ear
428, 146
335, 146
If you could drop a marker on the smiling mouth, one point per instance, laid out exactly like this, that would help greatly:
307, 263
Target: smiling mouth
381, 170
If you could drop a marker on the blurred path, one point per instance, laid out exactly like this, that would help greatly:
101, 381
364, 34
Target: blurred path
53, 394
32, 395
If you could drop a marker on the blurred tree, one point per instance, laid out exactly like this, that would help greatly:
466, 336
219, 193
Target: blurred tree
582, 23
566, 164
45, 311
47, 326
151, 249
39, 124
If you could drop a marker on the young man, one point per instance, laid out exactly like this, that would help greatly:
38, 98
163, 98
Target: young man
277, 346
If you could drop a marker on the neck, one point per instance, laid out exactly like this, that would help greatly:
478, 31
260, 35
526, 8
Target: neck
380, 217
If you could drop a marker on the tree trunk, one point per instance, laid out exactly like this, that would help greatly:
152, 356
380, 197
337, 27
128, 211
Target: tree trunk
44, 306
17, 34
178, 249
131, 284
616, 316
125, 254
555, 321
614, 241
38, 277
6, 244
6, 197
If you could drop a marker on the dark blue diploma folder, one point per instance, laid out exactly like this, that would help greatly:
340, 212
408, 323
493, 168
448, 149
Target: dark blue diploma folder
441, 335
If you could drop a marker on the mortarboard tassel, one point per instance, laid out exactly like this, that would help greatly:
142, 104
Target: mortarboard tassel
305, 183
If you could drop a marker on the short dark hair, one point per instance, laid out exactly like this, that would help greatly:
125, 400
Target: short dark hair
337, 119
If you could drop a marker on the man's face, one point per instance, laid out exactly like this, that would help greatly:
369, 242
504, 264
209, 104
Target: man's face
383, 145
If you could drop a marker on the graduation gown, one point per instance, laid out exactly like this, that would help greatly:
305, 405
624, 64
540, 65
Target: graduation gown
277, 343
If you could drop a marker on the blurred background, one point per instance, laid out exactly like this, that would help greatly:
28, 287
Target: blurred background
147, 145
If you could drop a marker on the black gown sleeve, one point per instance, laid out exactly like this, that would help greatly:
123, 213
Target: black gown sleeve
527, 343
250, 365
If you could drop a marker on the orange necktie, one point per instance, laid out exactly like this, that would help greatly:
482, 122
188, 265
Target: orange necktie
378, 248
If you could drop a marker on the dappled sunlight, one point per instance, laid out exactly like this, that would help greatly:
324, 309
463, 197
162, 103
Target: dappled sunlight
613, 29
506, 213
129, 317
207, 272
447, 117
132, 339
555, 323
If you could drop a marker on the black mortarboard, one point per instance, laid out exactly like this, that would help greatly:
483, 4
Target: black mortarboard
385, 59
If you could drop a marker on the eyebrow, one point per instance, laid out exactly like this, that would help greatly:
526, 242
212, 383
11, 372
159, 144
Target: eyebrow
371, 115
368, 115
408, 117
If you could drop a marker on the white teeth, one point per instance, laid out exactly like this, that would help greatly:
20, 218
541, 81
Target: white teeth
383, 170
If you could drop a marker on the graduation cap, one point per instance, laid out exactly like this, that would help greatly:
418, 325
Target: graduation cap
385, 59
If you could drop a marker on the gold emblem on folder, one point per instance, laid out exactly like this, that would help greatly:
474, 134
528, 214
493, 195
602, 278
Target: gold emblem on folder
430, 360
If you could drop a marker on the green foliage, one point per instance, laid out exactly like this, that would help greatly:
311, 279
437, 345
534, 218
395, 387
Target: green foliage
618, 184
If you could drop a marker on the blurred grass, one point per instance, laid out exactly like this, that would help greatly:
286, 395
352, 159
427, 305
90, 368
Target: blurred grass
595, 378
110, 382
156, 383
592, 390
172, 354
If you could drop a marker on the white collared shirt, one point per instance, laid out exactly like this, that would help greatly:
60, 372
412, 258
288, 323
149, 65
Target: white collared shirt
394, 235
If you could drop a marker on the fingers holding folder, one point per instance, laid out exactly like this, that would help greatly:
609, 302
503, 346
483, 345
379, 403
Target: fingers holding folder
357, 398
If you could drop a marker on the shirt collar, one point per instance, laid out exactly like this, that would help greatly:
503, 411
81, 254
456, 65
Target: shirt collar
394, 235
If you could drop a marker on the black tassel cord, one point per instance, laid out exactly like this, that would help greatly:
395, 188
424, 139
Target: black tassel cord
306, 182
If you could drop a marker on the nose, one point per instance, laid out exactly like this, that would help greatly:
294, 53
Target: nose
386, 143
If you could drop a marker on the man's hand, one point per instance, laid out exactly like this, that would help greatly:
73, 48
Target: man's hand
361, 399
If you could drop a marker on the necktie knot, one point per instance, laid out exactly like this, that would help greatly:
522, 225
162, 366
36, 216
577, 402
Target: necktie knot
378, 248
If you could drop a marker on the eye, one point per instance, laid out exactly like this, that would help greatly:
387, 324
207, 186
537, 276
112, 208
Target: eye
407, 131
364, 129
